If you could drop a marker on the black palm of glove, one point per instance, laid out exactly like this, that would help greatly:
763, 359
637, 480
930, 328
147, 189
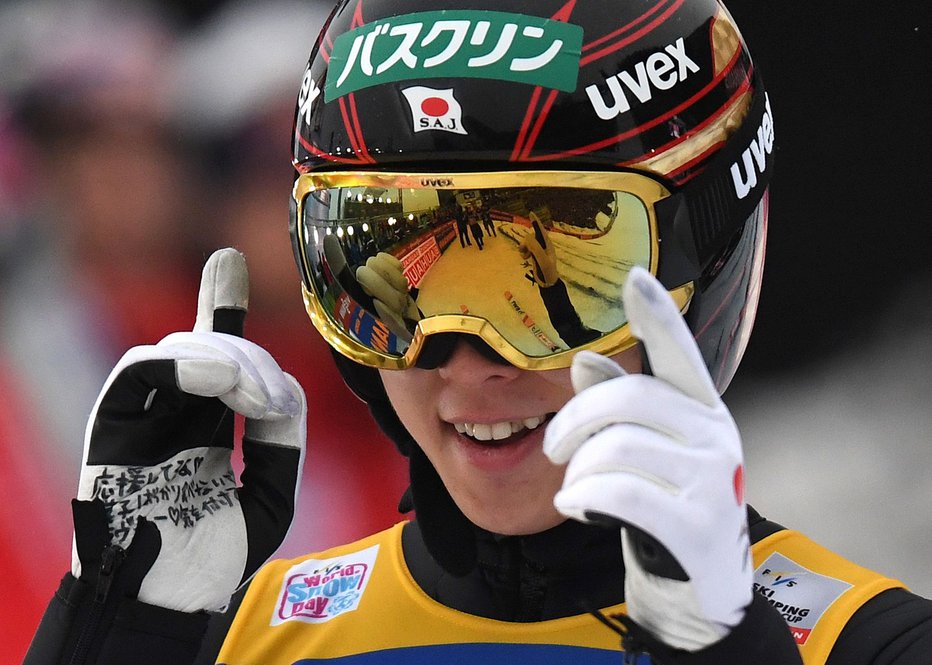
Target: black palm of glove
158, 445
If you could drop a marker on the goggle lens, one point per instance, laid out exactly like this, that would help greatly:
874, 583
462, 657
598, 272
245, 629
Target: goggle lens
532, 262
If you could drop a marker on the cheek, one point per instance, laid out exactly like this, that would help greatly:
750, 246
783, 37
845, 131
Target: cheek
558, 380
408, 391
561, 382
395, 388
630, 360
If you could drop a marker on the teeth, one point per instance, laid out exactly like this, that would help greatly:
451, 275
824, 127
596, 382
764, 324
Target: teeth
532, 423
501, 431
497, 431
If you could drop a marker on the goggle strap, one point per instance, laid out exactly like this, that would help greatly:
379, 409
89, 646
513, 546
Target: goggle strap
715, 205
679, 263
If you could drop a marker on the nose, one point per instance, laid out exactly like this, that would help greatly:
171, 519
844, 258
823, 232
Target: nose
467, 366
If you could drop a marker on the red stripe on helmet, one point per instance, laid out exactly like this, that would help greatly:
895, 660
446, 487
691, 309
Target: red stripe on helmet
632, 37
525, 124
743, 89
360, 139
545, 111
634, 131
524, 153
317, 152
563, 14
625, 28
520, 149
358, 20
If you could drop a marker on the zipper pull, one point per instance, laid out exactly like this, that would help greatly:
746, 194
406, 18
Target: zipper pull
110, 560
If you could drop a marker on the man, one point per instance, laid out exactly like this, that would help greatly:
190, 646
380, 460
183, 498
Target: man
565, 492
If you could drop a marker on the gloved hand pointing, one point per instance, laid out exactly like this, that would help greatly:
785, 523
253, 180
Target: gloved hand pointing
660, 455
383, 279
158, 444
537, 248
379, 284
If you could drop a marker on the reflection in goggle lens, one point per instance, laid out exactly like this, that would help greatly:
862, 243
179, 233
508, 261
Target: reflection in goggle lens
544, 266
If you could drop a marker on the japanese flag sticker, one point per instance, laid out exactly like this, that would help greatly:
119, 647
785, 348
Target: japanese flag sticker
433, 109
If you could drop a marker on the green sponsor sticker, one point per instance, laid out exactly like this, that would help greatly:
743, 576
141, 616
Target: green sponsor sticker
471, 44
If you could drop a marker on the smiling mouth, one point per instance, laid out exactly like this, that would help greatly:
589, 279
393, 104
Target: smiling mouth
502, 432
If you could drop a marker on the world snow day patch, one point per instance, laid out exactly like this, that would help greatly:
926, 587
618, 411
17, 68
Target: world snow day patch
797, 593
318, 590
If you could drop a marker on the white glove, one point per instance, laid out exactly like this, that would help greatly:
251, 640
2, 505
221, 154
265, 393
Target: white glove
158, 446
660, 454
383, 278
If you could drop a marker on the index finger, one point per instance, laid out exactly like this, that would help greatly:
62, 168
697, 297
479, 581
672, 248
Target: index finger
539, 233
671, 349
223, 297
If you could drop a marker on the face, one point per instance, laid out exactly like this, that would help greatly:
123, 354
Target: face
482, 424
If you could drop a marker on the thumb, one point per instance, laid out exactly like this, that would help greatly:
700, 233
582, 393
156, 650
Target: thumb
590, 368
584, 415
539, 233
223, 297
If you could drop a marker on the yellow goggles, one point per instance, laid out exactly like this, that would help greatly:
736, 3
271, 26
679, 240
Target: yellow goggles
532, 262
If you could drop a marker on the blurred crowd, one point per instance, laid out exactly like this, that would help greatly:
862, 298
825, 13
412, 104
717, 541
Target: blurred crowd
133, 142
135, 139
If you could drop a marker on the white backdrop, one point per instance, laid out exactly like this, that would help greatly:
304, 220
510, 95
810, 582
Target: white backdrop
843, 451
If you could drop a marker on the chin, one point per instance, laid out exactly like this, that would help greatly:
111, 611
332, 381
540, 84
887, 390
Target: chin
510, 524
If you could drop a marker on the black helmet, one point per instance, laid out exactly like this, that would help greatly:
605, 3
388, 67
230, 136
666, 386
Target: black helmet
663, 89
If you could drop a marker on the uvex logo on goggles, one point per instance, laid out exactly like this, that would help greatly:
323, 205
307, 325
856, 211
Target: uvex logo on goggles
533, 262
456, 43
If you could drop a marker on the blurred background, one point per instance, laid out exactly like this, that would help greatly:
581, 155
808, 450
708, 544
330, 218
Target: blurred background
834, 397
136, 138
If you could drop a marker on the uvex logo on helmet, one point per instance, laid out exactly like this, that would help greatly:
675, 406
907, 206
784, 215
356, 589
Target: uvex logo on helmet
661, 70
754, 157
